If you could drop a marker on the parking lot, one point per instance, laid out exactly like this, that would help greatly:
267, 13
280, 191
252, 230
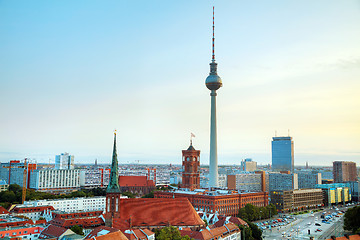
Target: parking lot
320, 225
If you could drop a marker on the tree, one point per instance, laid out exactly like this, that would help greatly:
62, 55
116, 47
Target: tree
352, 219
255, 230
77, 229
128, 194
246, 232
170, 233
149, 195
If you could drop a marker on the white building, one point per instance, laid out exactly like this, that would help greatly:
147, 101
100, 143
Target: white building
94, 177
64, 161
72, 204
52, 180
250, 182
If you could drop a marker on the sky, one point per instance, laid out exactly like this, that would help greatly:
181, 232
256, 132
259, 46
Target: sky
73, 71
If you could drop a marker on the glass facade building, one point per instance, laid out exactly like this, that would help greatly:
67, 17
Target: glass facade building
282, 154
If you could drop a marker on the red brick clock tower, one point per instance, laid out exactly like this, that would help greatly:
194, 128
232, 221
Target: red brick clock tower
191, 168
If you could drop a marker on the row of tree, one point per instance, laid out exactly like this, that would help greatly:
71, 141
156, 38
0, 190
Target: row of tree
253, 213
352, 220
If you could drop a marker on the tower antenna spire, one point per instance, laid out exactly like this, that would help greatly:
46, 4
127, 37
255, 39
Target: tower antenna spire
213, 37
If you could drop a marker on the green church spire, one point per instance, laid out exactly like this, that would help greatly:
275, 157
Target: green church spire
113, 186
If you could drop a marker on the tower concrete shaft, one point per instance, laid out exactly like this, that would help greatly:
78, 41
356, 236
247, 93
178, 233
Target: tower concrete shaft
213, 168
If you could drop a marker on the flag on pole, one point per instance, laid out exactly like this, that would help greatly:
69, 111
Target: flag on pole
192, 135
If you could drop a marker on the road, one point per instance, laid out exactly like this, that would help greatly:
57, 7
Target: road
304, 223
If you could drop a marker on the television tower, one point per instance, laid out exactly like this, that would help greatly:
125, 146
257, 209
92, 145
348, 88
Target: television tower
213, 82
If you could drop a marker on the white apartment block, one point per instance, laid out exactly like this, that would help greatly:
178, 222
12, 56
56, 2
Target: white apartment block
250, 182
55, 179
72, 205
94, 177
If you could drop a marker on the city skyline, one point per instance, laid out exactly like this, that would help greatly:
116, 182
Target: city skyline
72, 72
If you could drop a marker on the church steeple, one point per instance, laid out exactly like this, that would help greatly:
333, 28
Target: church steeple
113, 186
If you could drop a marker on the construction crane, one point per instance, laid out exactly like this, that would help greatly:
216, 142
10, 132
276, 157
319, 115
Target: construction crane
24, 182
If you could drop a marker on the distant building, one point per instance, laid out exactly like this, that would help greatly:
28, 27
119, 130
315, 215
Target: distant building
13, 172
248, 165
191, 168
293, 200
355, 190
308, 179
138, 185
335, 193
224, 202
282, 149
3, 185
71, 204
96, 177
64, 161
55, 180
283, 181
250, 182
344, 171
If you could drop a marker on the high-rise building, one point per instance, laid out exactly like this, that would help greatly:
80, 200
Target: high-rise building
283, 181
191, 168
64, 161
248, 165
344, 171
308, 179
213, 82
13, 172
282, 149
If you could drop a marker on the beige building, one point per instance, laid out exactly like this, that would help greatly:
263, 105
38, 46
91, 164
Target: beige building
293, 200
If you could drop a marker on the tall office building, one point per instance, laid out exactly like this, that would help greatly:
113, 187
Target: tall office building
64, 161
282, 149
213, 82
191, 168
344, 171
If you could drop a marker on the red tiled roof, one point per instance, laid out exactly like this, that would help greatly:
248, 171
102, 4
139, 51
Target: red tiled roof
42, 221
53, 231
31, 209
77, 214
84, 222
112, 236
351, 237
146, 212
139, 234
235, 220
135, 181
214, 233
14, 224
3, 210
96, 230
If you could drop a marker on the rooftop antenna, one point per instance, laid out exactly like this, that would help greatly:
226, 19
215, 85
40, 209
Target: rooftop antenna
213, 38
288, 132
275, 133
